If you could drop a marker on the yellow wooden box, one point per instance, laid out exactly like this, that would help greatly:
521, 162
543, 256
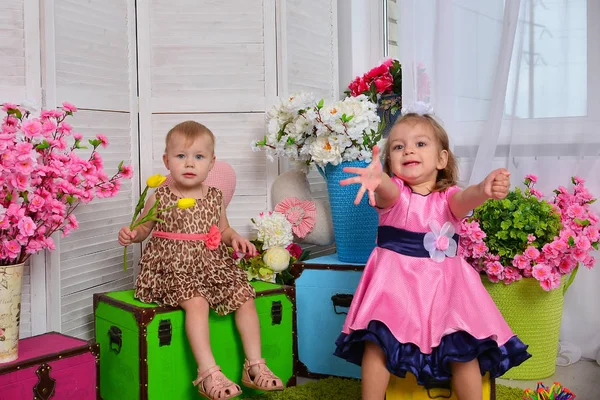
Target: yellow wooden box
408, 389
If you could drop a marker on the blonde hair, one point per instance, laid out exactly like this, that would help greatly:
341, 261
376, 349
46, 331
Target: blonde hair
190, 130
446, 177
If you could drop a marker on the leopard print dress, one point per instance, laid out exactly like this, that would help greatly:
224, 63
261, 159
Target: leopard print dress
176, 270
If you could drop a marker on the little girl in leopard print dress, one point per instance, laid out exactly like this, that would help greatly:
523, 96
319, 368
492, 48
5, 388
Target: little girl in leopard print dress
186, 262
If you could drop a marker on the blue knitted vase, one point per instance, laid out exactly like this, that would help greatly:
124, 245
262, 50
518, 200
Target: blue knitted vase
354, 226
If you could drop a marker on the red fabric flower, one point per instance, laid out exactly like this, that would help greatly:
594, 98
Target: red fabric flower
213, 238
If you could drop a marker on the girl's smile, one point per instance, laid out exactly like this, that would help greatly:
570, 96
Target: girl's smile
411, 163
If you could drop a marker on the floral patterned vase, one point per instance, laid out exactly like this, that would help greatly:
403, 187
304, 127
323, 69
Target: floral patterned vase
11, 282
354, 226
389, 108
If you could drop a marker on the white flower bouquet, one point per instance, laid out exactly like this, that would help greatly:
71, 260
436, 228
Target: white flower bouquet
276, 250
309, 132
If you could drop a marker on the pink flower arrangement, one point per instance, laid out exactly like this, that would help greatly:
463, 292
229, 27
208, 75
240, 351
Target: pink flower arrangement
43, 180
383, 79
546, 260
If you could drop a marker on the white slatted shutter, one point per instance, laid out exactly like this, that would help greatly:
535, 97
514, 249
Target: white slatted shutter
19, 51
19, 81
212, 62
90, 62
309, 47
309, 62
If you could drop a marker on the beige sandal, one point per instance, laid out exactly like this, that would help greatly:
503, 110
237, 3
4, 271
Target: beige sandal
264, 380
219, 387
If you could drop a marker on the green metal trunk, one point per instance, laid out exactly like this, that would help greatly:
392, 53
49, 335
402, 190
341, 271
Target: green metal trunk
145, 354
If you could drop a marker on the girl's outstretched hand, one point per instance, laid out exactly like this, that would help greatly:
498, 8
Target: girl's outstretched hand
497, 184
369, 178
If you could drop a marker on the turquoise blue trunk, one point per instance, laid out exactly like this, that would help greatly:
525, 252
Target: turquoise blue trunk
324, 289
354, 226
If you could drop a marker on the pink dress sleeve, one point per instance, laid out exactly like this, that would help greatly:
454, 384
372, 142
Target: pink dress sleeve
400, 183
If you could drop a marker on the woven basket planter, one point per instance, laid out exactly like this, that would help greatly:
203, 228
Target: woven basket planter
354, 227
534, 315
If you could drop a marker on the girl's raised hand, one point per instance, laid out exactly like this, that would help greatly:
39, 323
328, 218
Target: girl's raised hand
497, 184
369, 178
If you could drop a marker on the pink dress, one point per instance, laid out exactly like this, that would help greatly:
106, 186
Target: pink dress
425, 313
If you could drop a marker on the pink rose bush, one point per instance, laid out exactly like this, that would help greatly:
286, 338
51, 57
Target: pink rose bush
43, 179
526, 236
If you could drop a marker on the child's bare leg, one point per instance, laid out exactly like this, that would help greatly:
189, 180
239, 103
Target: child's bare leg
196, 327
211, 383
375, 376
259, 375
466, 380
247, 323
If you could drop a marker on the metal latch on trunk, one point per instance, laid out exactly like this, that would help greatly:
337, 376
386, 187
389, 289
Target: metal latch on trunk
165, 332
276, 311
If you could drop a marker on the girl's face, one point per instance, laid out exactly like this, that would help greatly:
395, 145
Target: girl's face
189, 161
415, 153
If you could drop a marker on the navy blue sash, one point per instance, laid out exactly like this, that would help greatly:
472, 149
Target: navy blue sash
403, 242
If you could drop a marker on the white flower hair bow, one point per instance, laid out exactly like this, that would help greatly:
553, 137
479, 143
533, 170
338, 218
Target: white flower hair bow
440, 242
419, 107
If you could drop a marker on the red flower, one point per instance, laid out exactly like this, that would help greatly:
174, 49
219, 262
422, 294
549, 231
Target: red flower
384, 82
377, 72
294, 250
363, 86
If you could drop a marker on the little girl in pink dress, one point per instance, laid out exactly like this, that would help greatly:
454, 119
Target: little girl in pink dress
419, 307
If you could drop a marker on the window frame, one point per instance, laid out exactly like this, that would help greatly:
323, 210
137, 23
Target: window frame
554, 131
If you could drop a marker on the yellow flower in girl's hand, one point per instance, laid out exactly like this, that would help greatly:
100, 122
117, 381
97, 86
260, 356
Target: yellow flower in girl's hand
155, 181
186, 203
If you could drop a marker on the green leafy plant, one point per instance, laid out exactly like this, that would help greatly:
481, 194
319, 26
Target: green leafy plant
526, 236
509, 222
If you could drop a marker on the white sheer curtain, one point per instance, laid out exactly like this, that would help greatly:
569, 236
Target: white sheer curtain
515, 83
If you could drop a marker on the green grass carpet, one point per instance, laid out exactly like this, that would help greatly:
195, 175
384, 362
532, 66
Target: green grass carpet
349, 389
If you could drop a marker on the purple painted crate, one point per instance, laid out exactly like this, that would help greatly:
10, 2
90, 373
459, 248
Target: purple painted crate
52, 366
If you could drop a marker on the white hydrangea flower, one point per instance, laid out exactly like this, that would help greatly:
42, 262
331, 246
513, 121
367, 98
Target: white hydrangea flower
273, 230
